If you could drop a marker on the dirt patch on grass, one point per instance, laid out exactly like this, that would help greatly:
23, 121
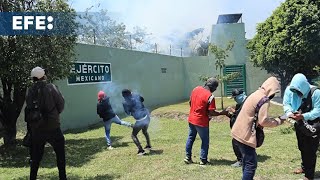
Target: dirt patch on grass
183, 116
171, 115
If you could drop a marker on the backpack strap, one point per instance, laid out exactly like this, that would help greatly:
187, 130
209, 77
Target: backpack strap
306, 105
259, 105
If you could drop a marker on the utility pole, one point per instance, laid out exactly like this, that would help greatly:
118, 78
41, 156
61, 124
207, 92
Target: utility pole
170, 49
94, 36
130, 42
155, 45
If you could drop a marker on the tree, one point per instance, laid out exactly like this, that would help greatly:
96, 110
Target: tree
19, 54
288, 41
221, 55
99, 28
203, 48
190, 41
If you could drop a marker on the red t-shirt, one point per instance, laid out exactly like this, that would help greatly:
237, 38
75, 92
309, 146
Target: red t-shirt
201, 101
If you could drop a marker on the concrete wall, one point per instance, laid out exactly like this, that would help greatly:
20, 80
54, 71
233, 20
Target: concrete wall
138, 71
221, 34
195, 67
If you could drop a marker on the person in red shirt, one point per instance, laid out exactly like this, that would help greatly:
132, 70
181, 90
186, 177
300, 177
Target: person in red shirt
202, 107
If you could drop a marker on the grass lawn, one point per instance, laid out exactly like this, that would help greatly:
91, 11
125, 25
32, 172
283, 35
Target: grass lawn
88, 157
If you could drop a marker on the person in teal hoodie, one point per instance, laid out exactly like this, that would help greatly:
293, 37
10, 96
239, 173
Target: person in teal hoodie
294, 104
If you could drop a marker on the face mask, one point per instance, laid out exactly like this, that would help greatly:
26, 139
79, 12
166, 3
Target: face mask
272, 96
240, 98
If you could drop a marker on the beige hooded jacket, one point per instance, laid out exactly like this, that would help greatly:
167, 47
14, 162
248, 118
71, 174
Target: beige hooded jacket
241, 130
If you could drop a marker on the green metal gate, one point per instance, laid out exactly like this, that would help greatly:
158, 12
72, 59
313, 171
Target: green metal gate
239, 82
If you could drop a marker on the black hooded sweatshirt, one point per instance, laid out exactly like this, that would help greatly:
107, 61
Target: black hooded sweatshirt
104, 109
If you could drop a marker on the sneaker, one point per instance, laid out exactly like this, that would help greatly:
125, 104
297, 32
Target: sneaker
110, 147
147, 148
141, 153
237, 164
204, 162
188, 160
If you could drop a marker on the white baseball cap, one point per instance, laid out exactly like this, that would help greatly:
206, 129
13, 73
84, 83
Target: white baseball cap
37, 72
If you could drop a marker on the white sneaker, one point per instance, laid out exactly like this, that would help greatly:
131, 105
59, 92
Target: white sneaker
237, 164
141, 153
110, 147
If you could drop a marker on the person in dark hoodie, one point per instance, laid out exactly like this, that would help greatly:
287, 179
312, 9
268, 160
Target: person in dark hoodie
242, 132
295, 97
133, 105
45, 98
239, 96
105, 111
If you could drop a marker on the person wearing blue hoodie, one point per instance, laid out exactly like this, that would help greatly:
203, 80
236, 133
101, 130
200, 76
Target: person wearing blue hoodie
105, 111
133, 105
294, 104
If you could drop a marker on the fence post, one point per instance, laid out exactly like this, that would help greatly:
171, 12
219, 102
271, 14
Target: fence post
94, 36
130, 42
156, 48
181, 52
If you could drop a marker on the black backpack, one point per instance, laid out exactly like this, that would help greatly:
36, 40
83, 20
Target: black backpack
34, 110
308, 128
235, 114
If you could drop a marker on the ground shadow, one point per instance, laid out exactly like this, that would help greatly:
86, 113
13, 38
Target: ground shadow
262, 158
85, 129
78, 152
220, 162
317, 174
155, 152
75, 177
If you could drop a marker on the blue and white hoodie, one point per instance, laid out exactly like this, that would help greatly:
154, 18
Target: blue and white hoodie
292, 102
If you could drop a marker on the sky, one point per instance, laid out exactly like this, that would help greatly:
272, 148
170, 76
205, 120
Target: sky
165, 17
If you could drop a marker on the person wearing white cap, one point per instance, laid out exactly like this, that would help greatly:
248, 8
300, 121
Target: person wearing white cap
37, 72
44, 103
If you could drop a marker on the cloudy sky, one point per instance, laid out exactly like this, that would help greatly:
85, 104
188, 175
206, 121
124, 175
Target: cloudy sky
165, 17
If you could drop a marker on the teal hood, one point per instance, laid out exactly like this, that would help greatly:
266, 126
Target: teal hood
299, 82
292, 102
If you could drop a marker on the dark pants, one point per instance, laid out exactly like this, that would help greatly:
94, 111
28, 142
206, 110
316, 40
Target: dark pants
249, 161
138, 126
236, 150
308, 148
204, 135
38, 141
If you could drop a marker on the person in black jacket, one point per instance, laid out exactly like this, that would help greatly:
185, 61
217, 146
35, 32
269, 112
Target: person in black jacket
46, 99
239, 96
105, 111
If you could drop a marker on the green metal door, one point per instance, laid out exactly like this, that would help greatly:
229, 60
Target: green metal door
239, 82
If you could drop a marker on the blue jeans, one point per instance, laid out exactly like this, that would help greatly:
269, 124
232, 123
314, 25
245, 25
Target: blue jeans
107, 127
249, 161
204, 135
